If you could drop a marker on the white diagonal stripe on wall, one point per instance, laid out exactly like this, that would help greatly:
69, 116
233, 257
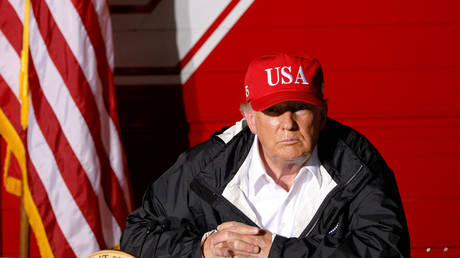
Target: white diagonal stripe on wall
214, 39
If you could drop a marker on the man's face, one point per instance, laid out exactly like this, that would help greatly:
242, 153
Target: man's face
288, 131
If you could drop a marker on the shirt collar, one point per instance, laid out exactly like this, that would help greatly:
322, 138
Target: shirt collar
257, 175
313, 166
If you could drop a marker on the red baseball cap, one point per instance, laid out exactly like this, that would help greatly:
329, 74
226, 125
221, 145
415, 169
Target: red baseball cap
274, 79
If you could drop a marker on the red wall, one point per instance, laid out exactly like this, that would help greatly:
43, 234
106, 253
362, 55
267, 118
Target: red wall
391, 71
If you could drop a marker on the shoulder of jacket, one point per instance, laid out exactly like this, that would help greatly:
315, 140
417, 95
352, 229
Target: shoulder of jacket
337, 133
221, 139
229, 133
224, 140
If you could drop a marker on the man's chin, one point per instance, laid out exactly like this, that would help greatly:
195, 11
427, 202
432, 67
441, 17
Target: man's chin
296, 157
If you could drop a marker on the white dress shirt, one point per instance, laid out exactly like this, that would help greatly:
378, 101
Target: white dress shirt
285, 213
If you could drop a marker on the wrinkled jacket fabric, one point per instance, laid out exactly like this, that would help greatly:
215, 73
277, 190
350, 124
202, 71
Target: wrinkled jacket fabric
361, 217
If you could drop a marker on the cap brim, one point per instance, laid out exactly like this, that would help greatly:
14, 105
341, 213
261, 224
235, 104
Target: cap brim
279, 97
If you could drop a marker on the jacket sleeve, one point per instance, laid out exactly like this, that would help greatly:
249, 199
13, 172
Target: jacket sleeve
371, 225
164, 225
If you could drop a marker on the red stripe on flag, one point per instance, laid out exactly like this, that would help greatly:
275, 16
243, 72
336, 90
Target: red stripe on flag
91, 214
11, 25
59, 244
90, 21
71, 170
10, 105
78, 86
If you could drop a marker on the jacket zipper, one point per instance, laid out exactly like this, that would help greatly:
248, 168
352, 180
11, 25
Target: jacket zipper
252, 223
227, 203
147, 233
236, 210
326, 200
158, 240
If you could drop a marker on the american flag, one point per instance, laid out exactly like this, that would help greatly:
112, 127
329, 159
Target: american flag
70, 159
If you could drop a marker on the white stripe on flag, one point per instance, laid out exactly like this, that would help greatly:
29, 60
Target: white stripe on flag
75, 217
68, 215
70, 119
70, 24
73, 126
9, 70
72, 123
105, 25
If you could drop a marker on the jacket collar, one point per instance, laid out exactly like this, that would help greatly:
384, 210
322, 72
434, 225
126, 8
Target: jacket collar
336, 152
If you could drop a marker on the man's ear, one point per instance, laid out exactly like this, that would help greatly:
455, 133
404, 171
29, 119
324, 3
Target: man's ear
249, 115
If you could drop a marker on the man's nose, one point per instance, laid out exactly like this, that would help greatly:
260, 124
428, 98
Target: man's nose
288, 120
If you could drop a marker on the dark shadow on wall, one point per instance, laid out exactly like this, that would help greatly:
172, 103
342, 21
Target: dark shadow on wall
152, 117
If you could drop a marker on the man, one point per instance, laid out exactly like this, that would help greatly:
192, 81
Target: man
286, 181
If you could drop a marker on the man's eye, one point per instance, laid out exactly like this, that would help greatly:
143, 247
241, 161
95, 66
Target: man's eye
272, 111
301, 107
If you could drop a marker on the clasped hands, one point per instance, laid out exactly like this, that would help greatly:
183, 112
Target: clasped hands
234, 239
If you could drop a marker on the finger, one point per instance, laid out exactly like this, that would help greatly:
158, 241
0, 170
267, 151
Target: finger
232, 249
245, 247
231, 236
238, 227
221, 250
236, 247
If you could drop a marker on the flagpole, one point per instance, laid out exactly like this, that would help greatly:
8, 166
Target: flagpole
24, 234
24, 237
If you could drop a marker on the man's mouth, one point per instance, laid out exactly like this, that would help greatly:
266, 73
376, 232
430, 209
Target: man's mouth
289, 141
